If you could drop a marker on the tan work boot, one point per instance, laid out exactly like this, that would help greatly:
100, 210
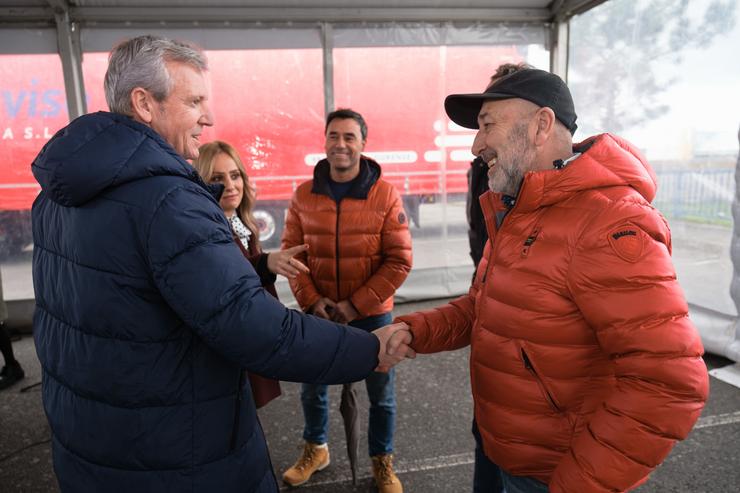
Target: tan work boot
314, 458
385, 479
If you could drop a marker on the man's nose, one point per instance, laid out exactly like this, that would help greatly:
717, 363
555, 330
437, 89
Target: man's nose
479, 144
206, 119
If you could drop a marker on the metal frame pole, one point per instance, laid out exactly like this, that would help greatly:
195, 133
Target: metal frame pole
327, 44
70, 52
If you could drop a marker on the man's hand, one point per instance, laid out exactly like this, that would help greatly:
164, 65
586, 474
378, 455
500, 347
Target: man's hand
345, 312
324, 308
395, 340
282, 262
400, 340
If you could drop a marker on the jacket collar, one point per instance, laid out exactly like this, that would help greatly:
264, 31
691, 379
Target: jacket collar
369, 174
605, 161
102, 150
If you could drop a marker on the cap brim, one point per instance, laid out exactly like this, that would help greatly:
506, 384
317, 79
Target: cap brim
463, 109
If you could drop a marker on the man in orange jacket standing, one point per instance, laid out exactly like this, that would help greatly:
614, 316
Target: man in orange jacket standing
585, 368
359, 255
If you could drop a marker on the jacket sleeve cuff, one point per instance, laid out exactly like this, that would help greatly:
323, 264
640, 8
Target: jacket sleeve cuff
362, 315
362, 308
266, 277
307, 302
415, 327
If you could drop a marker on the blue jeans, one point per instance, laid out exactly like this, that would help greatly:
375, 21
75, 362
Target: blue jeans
522, 484
380, 392
488, 477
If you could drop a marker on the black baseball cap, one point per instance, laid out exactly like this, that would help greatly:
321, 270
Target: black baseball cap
538, 86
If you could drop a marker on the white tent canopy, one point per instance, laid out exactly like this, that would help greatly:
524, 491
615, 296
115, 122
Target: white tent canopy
118, 11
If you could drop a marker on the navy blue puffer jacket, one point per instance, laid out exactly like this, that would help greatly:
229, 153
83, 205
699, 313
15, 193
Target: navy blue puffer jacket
145, 313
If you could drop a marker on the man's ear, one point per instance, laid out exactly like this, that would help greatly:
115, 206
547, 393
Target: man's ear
142, 105
544, 125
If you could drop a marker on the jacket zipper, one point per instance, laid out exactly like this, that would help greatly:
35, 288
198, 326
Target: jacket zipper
489, 265
530, 241
528, 365
336, 246
492, 252
237, 410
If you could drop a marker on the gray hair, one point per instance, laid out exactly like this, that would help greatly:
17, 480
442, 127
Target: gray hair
140, 62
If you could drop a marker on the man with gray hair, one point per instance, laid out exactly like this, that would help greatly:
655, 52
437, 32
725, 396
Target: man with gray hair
146, 312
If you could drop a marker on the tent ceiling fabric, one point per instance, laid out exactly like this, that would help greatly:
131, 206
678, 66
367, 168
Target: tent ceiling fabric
283, 11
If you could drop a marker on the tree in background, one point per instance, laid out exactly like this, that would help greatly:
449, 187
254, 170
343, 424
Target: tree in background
625, 53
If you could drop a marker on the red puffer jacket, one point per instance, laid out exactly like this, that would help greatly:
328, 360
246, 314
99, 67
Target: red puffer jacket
585, 368
359, 249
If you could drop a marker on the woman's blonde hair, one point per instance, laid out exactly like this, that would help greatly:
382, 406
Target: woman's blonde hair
204, 166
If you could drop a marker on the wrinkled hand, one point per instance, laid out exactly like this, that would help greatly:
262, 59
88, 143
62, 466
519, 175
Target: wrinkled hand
400, 340
395, 345
324, 308
344, 312
282, 262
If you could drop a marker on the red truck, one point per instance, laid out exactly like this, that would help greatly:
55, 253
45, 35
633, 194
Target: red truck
269, 103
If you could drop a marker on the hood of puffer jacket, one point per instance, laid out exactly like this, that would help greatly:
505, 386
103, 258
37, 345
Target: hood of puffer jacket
103, 150
606, 161
370, 172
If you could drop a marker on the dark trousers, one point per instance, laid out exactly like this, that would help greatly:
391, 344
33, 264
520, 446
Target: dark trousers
6, 347
486, 474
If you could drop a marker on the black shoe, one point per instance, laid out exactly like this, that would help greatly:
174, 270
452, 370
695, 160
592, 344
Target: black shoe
10, 374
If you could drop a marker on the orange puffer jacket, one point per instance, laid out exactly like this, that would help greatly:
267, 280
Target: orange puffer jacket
359, 249
585, 368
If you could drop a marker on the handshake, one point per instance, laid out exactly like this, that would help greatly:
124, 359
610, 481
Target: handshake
395, 339
395, 345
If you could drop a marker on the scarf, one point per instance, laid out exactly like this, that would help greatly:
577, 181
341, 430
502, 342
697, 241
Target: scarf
240, 230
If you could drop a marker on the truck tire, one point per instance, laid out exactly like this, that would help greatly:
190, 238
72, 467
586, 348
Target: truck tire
270, 221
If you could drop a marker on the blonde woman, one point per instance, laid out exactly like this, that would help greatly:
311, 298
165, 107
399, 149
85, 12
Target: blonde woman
219, 163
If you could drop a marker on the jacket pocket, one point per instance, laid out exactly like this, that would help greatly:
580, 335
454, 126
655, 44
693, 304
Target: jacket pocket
541, 383
530, 241
237, 411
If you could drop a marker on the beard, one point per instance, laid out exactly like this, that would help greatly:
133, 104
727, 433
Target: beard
512, 162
